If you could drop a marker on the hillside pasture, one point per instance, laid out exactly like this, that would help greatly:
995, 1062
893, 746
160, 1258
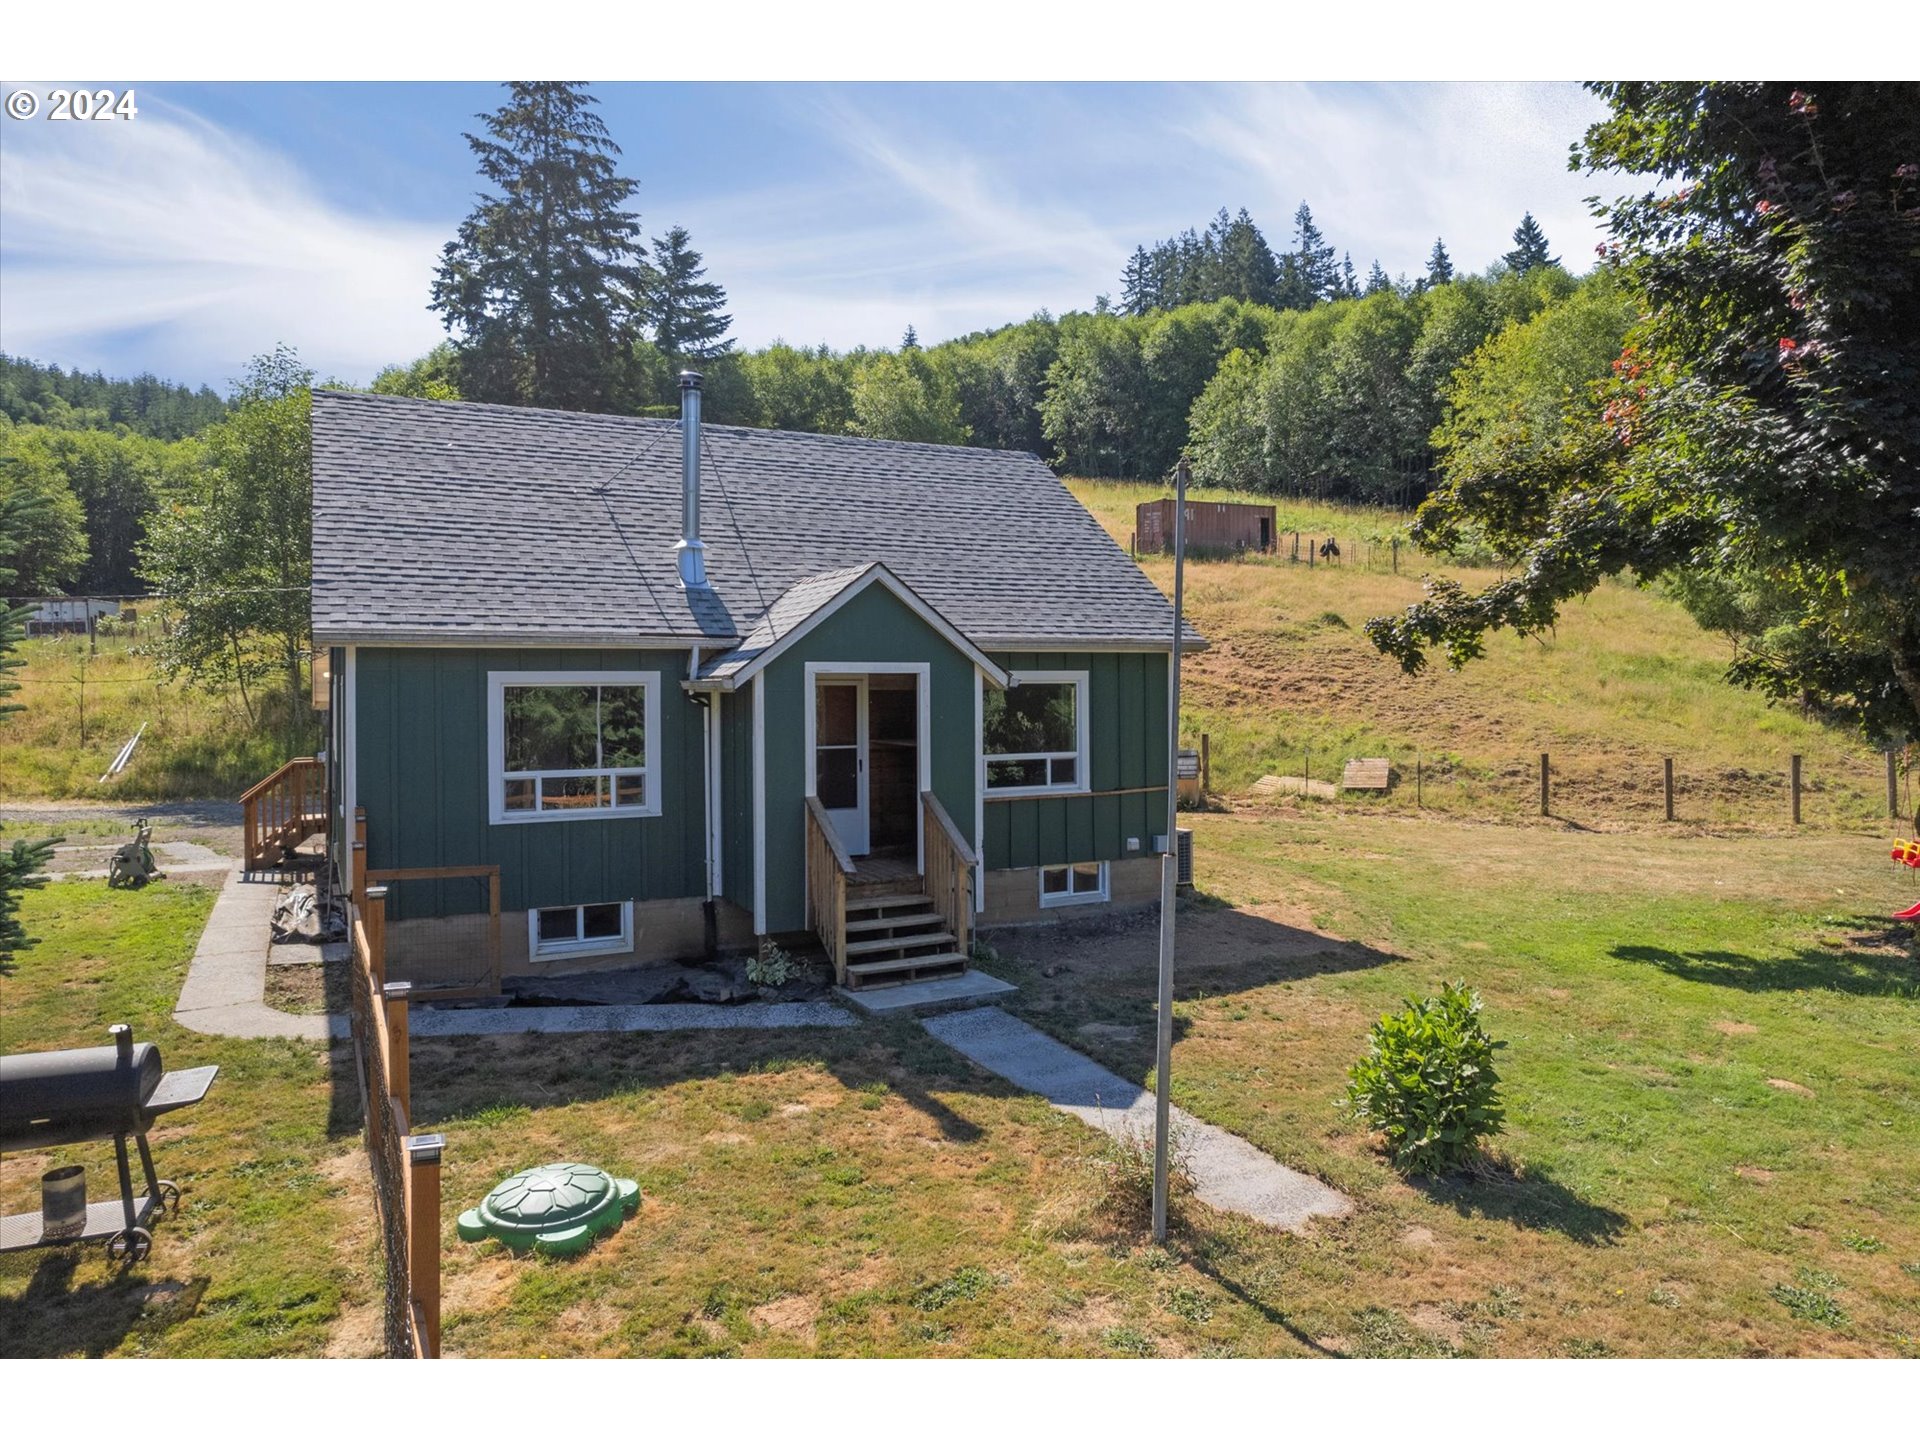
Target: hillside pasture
1291, 684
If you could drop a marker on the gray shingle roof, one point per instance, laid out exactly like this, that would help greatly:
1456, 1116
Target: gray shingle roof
785, 615
455, 523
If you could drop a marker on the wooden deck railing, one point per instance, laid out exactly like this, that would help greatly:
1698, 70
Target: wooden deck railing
950, 866
829, 868
284, 809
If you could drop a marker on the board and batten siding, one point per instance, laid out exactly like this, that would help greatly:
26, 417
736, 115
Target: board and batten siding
424, 777
736, 797
872, 628
1126, 752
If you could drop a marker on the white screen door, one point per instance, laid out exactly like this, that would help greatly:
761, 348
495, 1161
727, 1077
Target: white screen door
840, 758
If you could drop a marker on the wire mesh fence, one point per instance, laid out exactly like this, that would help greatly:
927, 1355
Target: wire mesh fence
443, 930
385, 1151
1854, 791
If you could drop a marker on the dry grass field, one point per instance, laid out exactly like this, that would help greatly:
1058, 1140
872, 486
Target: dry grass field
1291, 684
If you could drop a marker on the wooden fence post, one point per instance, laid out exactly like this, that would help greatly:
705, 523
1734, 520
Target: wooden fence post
423, 1238
1893, 787
373, 914
493, 928
1206, 765
1419, 783
1396, 554
399, 1058
1796, 789
1669, 787
1545, 809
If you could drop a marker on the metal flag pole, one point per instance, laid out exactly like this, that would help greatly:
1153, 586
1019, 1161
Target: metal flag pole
1169, 869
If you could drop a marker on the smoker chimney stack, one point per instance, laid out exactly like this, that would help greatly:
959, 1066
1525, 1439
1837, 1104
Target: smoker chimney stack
691, 553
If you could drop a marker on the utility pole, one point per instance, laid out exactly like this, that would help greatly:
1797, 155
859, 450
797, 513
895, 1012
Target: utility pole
1169, 871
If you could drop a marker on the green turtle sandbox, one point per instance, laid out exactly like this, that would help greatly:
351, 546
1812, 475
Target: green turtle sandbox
554, 1209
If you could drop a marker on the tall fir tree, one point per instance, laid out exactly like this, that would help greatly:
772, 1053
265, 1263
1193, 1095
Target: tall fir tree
1349, 279
1377, 280
1439, 266
681, 308
911, 340
1529, 247
538, 288
1140, 281
1309, 272
1247, 269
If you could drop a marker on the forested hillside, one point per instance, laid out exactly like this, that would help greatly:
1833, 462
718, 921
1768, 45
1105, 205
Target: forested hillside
32, 394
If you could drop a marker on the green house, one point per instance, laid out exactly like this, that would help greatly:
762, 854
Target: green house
606, 689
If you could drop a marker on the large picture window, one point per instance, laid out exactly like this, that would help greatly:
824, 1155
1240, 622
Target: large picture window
1033, 734
569, 745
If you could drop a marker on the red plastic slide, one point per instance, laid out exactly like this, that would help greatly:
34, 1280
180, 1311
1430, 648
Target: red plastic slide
1912, 912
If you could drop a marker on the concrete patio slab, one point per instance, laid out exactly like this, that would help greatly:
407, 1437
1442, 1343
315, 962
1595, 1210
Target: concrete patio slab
950, 989
1228, 1173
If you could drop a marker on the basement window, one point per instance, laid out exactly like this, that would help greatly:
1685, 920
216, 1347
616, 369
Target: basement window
1084, 884
573, 744
1033, 734
565, 932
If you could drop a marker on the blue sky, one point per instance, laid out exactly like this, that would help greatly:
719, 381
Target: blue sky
229, 217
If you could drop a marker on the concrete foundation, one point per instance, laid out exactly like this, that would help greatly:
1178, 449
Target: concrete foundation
1013, 896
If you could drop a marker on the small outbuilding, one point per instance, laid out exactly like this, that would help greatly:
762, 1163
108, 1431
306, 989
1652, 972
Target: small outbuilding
1214, 527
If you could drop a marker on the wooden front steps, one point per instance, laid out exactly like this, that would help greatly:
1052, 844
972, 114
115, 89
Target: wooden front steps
896, 937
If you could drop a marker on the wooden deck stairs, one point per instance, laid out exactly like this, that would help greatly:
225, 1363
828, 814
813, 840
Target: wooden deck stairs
284, 811
891, 921
896, 936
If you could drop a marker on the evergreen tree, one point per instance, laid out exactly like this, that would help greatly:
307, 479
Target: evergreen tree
1377, 280
1529, 247
683, 309
1439, 266
1309, 274
538, 287
1248, 270
910, 340
1140, 281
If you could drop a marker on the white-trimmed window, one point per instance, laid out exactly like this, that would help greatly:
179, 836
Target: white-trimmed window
573, 744
1033, 734
1083, 884
565, 932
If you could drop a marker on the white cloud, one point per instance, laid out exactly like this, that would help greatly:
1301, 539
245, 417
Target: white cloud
172, 244
1387, 168
209, 247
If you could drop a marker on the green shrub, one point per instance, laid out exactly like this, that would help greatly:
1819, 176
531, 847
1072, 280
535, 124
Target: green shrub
774, 967
1428, 1083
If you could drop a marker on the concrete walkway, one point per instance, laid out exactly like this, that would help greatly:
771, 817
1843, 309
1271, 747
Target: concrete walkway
226, 986
227, 982
1228, 1173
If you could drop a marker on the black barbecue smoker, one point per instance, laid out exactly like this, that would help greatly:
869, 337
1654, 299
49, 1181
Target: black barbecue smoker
106, 1092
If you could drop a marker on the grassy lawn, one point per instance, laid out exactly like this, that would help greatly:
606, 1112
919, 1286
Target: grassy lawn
1291, 683
1712, 1080
270, 1254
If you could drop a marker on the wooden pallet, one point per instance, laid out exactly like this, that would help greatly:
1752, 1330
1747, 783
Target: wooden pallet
1371, 774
